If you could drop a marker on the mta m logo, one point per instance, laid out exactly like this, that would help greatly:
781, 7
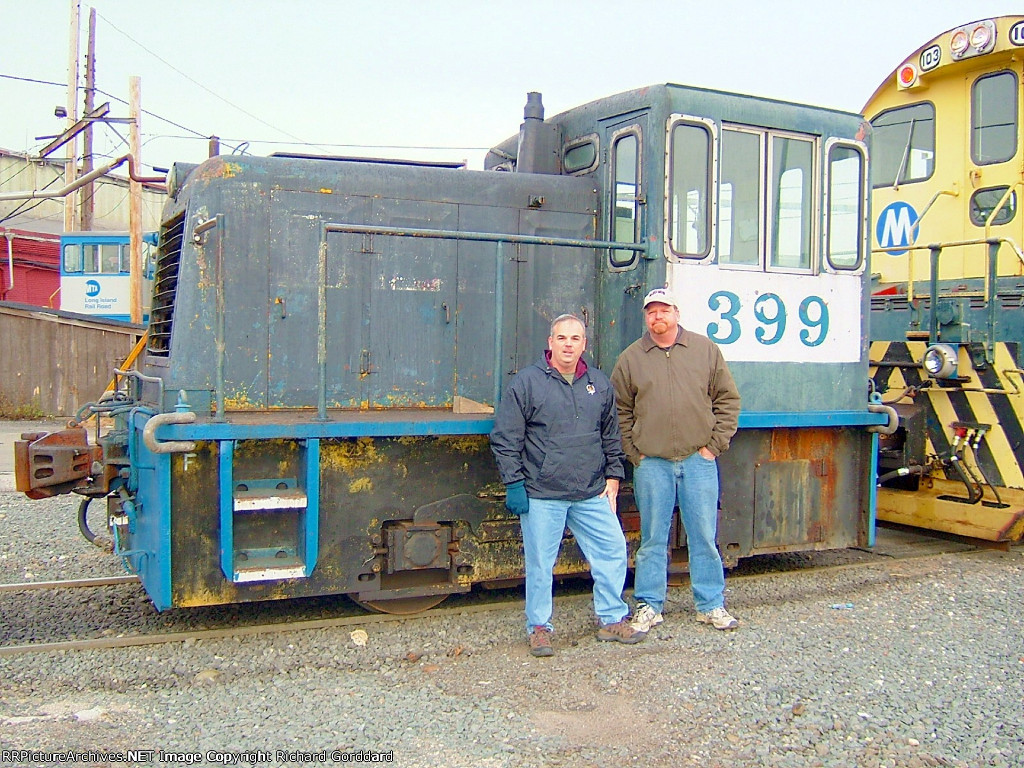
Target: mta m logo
896, 227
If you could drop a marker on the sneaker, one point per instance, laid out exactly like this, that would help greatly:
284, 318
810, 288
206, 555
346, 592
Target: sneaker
719, 618
645, 617
540, 642
620, 632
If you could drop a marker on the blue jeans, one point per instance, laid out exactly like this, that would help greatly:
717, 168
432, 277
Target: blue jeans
599, 535
658, 484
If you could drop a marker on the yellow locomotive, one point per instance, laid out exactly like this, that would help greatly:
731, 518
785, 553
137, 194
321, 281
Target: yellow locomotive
947, 294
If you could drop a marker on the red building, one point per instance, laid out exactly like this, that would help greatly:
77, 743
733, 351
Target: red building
29, 267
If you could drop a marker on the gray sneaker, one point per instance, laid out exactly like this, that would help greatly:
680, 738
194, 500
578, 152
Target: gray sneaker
719, 618
645, 617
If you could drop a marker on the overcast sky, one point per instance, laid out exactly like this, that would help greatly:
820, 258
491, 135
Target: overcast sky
387, 77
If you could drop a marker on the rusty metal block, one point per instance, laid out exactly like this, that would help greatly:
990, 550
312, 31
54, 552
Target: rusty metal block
47, 464
413, 546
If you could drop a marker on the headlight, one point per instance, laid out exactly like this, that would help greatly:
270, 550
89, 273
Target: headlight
940, 361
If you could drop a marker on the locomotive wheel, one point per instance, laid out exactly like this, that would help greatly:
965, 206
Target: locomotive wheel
401, 606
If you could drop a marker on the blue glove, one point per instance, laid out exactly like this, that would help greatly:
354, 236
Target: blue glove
516, 501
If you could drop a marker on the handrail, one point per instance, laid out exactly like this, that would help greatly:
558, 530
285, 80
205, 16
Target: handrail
442, 234
953, 244
936, 196
168, 446
1000, 204
990, 277
132, 357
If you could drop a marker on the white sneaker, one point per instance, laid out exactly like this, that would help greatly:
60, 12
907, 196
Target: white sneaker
719, 618
645, 617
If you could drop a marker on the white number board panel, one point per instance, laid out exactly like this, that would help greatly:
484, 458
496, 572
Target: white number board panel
771, 317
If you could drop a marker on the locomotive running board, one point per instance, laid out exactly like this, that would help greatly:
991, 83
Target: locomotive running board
926, 508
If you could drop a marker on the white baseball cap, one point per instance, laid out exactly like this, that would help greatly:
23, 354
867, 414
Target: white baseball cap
661, 295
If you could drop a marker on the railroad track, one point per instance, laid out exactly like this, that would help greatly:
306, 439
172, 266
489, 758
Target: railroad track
102, 581
500, 601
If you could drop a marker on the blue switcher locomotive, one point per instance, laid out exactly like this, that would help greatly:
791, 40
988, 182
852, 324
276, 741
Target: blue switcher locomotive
328, 338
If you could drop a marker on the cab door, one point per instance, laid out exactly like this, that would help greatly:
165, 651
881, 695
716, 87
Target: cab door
992, 163
627, 168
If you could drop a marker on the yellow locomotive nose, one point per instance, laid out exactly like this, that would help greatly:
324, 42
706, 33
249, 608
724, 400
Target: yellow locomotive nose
945, 322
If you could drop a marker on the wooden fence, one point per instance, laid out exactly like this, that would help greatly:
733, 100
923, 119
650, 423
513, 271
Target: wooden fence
58, 361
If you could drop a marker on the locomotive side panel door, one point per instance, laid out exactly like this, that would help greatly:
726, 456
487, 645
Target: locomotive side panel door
410, 356
235, 255
994, 106
480, 373
293, 297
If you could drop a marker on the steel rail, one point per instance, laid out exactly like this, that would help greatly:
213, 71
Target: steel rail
100, 581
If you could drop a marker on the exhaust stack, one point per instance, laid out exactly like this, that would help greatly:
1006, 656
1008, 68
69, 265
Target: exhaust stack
539, 142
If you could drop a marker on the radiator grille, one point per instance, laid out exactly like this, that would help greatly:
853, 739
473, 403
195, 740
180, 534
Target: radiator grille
165, 286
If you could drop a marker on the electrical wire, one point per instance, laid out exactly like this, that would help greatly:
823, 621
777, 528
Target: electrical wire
192, 80
20, 208
32, 80
235, 143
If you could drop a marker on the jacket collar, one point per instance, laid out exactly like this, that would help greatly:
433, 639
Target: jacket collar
581, 366
682, 339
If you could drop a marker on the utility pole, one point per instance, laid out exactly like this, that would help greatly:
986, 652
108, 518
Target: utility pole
71, 164
88, 204
135, 199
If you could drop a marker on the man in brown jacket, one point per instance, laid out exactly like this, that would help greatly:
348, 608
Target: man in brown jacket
678, 409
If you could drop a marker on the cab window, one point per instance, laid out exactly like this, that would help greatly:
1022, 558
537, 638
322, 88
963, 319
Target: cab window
984, 202
792, 190
844, 206
110, 259
994, 118
903, 145
580, 156
73, 258
739, 202
689, 227
625, 226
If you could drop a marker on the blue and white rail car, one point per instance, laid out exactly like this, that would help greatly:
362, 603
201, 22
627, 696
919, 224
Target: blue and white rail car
328, 339
95, 273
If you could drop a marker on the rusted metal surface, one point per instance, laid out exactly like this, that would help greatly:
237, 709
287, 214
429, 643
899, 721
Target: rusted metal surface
47, 464
403, 522
807, 489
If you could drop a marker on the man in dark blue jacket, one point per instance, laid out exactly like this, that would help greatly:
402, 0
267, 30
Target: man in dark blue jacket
556, 440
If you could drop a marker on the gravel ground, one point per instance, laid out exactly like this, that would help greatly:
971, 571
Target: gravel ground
926, 669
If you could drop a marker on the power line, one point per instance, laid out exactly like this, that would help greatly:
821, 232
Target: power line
205, 136
109, 96
336, 145
32, 80
197, 83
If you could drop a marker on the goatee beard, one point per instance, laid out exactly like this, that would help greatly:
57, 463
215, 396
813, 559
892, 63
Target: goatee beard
659, 327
